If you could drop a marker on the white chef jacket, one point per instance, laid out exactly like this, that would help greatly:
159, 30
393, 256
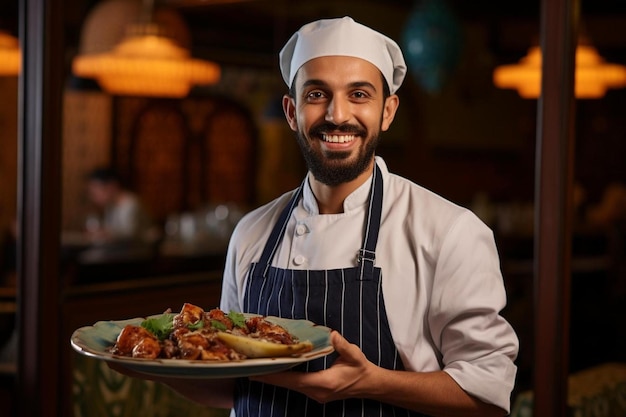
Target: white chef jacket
441, 278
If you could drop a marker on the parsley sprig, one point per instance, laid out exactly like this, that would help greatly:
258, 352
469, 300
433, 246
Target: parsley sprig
238, 319
161, 326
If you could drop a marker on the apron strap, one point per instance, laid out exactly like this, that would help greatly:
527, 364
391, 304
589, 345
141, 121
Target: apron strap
366, 256
279, 229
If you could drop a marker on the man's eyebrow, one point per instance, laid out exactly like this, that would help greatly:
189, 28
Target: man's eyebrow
355, 84
361, 84
313, 82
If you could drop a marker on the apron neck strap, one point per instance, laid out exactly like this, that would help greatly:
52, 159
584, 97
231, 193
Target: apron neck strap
366, 256
279, 230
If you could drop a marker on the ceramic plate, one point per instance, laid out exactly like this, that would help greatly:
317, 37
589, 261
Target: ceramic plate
94, 341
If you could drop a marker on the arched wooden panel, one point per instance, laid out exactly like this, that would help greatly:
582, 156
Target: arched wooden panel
158, 154
229, 150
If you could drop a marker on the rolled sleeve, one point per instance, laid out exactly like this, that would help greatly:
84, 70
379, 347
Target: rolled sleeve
477, 344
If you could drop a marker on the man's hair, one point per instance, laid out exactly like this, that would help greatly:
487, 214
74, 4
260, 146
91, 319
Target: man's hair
105, 174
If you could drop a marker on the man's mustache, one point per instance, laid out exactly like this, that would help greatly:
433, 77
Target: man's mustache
327, 127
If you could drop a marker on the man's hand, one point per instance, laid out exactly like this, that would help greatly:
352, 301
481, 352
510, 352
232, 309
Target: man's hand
353, 376
344, 379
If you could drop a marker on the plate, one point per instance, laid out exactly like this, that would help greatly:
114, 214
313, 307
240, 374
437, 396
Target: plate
94, 341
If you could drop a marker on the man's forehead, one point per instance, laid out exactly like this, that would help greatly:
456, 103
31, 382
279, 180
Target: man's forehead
339, 70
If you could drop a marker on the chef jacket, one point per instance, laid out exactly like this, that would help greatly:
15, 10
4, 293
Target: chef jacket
441, 277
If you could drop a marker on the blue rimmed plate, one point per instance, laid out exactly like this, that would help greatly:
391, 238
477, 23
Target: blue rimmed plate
95, 341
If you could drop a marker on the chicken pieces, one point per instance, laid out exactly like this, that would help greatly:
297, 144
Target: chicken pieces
194, 334
137, 342
258, 327
190, 314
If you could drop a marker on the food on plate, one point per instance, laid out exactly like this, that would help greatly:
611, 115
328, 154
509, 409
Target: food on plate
260, 347
263, 339
194, 334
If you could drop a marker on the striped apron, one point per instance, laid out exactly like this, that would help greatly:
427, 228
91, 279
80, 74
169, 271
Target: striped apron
349, 300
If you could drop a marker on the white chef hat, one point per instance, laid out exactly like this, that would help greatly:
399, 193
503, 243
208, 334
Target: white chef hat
342, 37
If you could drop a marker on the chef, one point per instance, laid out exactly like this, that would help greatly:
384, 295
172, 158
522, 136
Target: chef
409, 282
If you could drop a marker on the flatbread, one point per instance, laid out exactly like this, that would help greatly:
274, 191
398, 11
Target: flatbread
260, 348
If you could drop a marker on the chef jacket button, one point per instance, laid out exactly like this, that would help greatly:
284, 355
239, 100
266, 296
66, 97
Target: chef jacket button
301, 229
299, 260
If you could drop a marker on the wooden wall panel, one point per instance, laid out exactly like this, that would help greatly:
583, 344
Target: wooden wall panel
86, 145
8, 152
159, 157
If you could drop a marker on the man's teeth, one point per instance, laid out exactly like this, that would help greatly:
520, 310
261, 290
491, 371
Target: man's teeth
338, 138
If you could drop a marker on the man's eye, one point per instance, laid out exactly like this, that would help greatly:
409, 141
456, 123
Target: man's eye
359, 94
315, 94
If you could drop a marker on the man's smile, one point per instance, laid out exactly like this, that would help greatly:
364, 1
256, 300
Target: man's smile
334, 138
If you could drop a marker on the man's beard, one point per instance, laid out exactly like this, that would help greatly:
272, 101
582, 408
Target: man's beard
332, 168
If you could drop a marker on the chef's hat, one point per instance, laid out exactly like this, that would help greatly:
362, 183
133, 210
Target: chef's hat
343, 37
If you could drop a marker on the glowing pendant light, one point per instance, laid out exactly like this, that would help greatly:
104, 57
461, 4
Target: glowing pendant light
10, 55
593, 76
146, 62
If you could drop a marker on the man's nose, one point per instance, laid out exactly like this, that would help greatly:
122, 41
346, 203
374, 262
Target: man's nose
338, 111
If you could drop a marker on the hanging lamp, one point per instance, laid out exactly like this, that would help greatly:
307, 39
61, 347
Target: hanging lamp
432, 41
146, 62
593, 75
10, 55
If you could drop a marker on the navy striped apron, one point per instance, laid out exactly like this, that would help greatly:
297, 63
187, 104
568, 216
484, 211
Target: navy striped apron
349, 300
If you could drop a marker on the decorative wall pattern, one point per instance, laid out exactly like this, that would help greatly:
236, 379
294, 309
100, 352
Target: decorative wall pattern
178, 155
183, 154
86, 145
100, 392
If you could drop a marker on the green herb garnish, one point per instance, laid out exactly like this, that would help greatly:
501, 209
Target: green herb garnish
163, 325
218, 325
238, 319
160, 326
196, 326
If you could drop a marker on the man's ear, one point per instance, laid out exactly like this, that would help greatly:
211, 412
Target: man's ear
289, 108
389, 111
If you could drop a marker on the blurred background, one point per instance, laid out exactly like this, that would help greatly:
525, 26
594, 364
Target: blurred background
198, 152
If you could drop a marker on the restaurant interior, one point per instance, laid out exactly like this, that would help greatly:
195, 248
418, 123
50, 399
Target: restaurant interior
202, 151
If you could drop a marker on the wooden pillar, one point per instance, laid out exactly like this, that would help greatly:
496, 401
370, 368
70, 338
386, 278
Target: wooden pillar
39, 138
554, 205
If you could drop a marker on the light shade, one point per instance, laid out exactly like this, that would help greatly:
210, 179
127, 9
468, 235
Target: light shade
593, 76
131, 52
146, 64
432, 41
10, 55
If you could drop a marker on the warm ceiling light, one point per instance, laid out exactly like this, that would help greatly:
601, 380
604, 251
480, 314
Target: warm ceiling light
10, 56
132, 48
593, 76
146, 63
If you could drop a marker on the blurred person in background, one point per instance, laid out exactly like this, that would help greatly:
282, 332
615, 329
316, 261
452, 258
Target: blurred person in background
121, 223
121, 215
